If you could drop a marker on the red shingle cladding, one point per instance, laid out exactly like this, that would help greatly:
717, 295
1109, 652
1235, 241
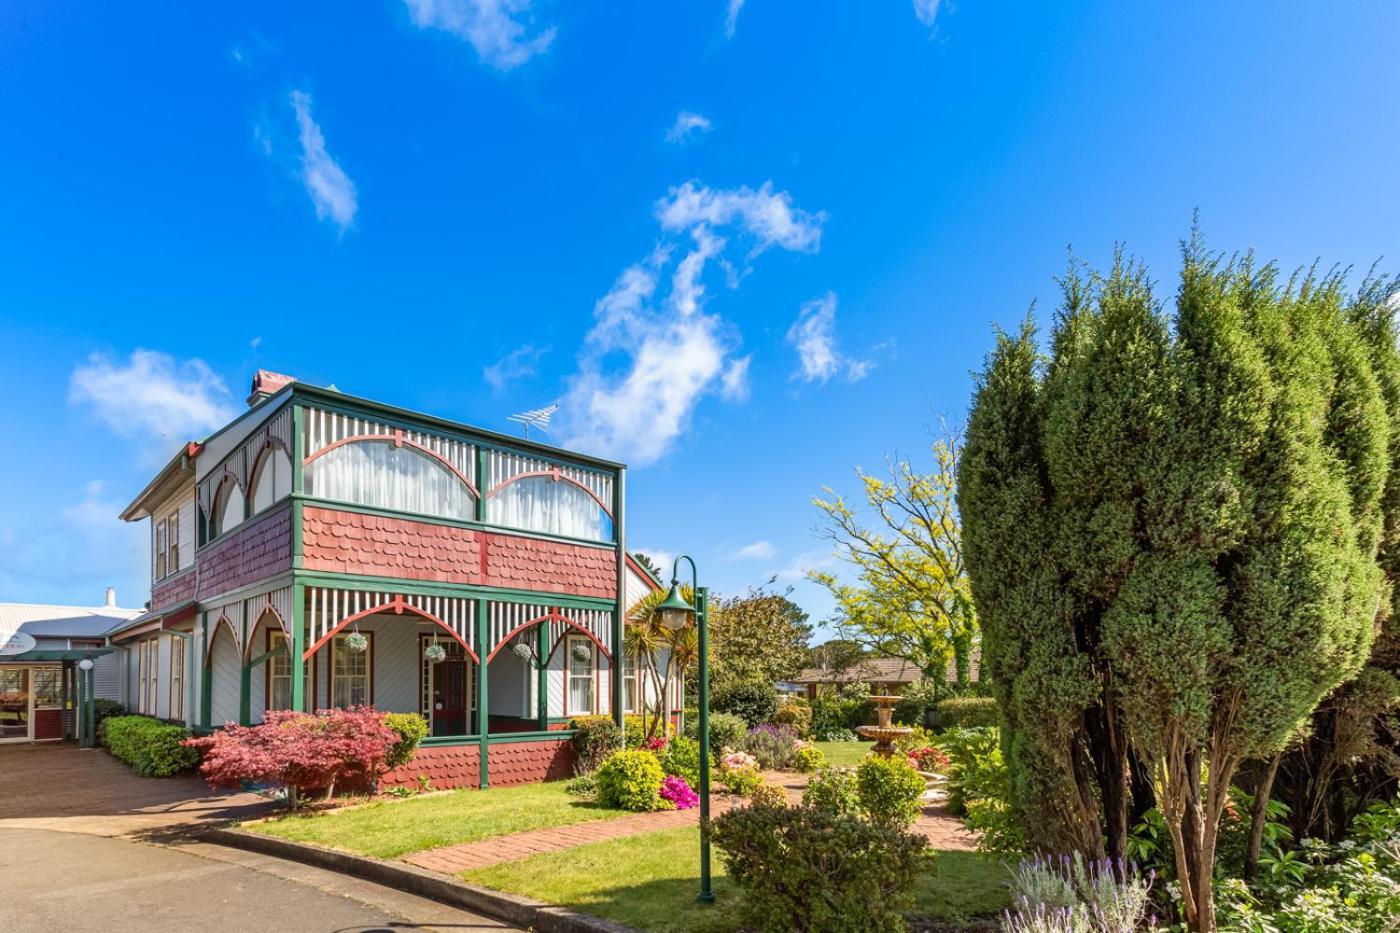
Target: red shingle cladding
261, 548
528, 762
351, 542
446, 766
173, 590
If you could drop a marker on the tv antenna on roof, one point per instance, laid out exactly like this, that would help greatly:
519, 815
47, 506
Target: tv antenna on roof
535, 417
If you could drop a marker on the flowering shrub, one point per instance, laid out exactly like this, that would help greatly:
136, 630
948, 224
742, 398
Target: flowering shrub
303, 751
656, 743
929, 758
808, 758
773, 746
730, 760
768, 795
741, 781
678, 792
681, 758
1054, 893
631, 780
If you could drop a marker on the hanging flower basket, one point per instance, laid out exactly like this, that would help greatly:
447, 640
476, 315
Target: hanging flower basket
523, 652
435, 653
357, 642
582, 654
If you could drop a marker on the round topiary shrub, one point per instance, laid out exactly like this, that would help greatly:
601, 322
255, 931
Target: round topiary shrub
890, 790
631, 780
808, 758
754, 701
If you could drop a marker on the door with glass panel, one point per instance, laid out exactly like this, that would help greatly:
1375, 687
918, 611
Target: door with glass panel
16, 705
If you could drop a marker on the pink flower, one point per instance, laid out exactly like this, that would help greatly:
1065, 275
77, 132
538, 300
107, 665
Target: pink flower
678, 792
734, 761
655, 744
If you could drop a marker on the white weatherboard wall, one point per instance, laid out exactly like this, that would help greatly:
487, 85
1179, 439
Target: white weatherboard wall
394, 662
508, 684
555, 672
226, 669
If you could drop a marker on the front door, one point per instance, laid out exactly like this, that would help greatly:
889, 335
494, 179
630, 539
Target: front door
16, 705
450, 697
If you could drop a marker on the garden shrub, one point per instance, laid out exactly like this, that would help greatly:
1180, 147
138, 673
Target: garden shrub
754, 701
583, 786
976, 770
595, 738
677, 792
797, 714
726, 729
808, 758
916, 700
411, 728
918, 738
304, 751
631, 780
152, 747
103, 710
833, 791
833, 714
635, 729
890, 790
1058, 893
772, 746
738, 772
768, 795
681, 758
835, 735
813, 871
965, 713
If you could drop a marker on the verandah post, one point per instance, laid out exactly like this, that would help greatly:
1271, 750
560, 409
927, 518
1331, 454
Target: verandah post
542, 675
297, 645
483, 720
206, 684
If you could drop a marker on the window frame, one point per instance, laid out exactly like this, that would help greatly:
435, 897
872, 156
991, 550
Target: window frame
227, 486
570, 675
35, 673
631, 696
271, 675
333, 677
161, 571
265, 459
176, 697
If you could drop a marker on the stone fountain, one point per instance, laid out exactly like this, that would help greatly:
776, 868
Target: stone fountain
884, 734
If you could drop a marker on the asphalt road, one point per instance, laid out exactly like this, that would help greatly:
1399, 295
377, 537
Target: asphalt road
73, 882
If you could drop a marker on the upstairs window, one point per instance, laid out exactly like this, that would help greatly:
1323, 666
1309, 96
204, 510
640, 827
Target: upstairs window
380, 475
228, 507
167, 555
553, 506
160, 569
272, 479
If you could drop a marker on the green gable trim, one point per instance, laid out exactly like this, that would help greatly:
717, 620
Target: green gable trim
349, 581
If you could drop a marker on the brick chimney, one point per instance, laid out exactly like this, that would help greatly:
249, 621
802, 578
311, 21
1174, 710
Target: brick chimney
266, 384
111, 598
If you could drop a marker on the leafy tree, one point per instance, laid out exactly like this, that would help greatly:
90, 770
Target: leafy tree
760, 636
646, 640
647, 564
911, 599
1172, 530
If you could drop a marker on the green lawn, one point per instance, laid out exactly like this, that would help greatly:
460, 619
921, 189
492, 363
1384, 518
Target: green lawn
844, 754
395, 828
649, 881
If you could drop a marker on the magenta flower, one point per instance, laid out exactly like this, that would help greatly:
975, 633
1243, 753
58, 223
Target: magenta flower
676, 790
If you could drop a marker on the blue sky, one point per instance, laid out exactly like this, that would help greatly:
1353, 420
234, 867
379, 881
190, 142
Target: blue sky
747, 246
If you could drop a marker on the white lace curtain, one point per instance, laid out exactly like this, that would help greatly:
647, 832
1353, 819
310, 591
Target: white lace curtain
380, 475
540, 503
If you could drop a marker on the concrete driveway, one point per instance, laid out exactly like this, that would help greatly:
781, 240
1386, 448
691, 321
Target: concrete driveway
87, 845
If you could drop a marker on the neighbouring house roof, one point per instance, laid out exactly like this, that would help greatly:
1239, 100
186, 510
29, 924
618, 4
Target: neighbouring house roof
876, 670
47, 621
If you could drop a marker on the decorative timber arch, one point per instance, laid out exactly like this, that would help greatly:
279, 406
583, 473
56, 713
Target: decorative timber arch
510, 619
331, 610
226, 623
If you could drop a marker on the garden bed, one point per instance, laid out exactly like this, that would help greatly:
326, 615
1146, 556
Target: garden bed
649, 881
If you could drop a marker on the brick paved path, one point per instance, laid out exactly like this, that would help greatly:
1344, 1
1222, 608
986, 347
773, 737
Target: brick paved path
942, 829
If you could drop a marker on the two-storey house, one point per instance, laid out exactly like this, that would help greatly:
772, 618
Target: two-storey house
327, 551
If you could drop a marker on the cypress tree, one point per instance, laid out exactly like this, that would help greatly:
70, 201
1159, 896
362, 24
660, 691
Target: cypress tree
1200, 498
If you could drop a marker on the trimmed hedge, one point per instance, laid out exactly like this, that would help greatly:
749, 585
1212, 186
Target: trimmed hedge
153, 748
966, 713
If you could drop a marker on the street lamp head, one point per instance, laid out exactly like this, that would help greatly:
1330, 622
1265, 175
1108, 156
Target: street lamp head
676, 611
86, 664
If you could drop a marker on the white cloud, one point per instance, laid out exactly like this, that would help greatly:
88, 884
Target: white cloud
152, 398
813, 335
497, 29
520, 363
770, 218
654, 353
926, 11
731, 16
797, 569
687, 126
758, 550
664, 560
330, 188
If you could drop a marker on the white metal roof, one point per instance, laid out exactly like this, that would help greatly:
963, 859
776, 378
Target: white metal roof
44, 621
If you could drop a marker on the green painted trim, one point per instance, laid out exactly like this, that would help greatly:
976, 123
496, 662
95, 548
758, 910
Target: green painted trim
542, 676
245, 695
483, 697
439, 740
254, 662
298, 526
479, 524
298, 700
507, 738
206, 682
355, 581
481, 482
417, 421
